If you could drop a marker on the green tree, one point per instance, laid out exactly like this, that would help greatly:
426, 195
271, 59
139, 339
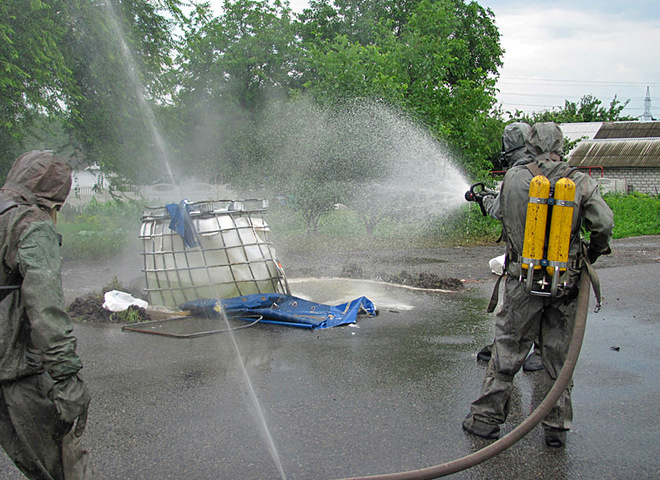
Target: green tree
64, 59
34, 75
361, 21
437, 59
230, 68
245, 75
452, 54
587, 109
120, 53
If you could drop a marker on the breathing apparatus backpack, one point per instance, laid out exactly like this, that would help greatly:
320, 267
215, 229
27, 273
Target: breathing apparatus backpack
545, 248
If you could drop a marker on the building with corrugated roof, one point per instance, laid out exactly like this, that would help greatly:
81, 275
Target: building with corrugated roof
625, 155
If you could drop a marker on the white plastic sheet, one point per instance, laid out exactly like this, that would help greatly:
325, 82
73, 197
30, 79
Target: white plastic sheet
117, 301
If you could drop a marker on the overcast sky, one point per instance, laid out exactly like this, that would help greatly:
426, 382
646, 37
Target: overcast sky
565, 49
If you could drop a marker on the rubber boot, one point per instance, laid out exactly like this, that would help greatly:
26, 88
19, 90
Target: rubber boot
555, 438
485, 353
533, 362
481, 429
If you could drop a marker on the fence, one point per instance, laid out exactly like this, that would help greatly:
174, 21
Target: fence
159, 194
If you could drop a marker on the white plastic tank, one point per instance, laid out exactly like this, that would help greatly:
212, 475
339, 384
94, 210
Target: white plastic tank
233, 258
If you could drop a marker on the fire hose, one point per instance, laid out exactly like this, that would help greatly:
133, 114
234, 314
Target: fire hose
497, 447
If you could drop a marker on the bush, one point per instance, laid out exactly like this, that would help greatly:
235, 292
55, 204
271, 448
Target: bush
101, 231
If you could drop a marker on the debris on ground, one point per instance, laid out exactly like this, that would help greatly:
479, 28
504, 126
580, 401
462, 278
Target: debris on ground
89, 309
417, 280
426, 280
133, 314
352, 271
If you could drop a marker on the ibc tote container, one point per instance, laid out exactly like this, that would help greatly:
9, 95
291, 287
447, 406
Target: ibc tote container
233, 258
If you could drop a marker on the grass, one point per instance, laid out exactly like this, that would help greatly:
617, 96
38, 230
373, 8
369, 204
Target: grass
634, 215
104, 230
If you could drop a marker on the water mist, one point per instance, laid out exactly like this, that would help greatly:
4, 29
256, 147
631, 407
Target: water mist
381, 163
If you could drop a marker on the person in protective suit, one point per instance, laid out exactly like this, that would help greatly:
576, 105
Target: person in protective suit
524, 315
513, 151
43, 400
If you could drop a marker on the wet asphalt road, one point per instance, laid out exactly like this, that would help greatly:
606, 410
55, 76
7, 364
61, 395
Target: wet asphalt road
385, 396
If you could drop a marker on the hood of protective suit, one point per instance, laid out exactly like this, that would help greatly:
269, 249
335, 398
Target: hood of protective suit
545, 141
39, 177
513, 141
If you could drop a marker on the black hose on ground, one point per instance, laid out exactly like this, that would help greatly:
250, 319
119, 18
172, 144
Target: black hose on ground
563, 380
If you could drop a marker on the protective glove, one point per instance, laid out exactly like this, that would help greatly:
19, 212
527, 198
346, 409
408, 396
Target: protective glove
593, 255
72, 399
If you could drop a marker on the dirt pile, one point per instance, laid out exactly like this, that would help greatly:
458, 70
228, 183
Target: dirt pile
425, 280
417, 280
90, 309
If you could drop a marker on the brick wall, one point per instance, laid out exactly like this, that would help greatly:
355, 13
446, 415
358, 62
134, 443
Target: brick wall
644, 180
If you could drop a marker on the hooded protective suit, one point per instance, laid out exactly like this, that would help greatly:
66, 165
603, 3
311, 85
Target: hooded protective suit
41, 395
513, 142
513, 151
522, 315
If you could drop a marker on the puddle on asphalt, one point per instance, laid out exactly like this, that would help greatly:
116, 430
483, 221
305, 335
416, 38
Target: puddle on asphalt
335, 291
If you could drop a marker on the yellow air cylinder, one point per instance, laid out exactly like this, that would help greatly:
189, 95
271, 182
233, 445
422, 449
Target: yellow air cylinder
535, 222
561, 224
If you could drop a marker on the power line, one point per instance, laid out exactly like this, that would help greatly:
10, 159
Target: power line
512, 105
579, 82
549, 95
628, 108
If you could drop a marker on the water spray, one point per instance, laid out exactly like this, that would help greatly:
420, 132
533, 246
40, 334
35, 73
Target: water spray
246, 377
131, 70
159, 142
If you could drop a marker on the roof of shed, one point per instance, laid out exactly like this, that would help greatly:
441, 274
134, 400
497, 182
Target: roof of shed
580, 130
628, 130
633, 152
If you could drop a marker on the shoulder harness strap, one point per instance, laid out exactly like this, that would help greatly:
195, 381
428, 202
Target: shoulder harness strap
8, 205
494, 297
534, 168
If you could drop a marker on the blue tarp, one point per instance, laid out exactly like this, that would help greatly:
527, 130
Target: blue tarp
284, 310
181, 222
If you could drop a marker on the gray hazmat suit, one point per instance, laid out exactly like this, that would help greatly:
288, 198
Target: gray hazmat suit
522, 315
41, 394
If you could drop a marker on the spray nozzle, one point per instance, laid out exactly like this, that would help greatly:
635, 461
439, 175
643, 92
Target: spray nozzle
477, 193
